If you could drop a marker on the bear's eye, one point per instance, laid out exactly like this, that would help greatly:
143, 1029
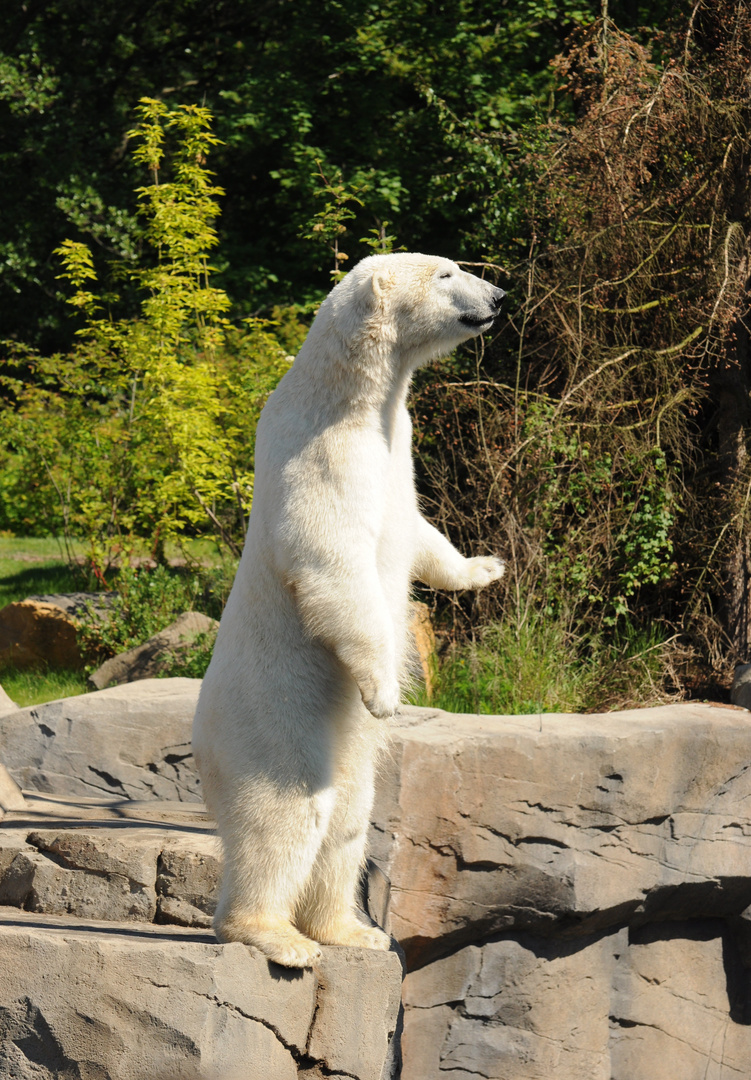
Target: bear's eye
447, 274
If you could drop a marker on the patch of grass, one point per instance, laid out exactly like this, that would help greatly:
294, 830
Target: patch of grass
32, 687
32, 566
19, 580
541, 666
148, 599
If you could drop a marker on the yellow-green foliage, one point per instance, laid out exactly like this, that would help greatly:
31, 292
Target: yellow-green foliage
147, 425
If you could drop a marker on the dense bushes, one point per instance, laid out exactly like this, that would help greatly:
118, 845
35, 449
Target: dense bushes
599, 441
602, 443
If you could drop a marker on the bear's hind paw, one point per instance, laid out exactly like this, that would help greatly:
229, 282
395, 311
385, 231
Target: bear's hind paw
279, 941
356, 935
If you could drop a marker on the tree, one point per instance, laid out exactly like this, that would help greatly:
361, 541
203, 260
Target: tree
415, 103
146, 426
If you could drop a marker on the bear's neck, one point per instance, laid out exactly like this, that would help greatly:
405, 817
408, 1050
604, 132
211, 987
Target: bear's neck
367, 374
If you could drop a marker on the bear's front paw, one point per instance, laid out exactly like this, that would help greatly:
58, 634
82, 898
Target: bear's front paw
382, 701
483, 569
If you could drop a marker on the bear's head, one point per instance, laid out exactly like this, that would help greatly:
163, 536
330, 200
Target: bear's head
423, 305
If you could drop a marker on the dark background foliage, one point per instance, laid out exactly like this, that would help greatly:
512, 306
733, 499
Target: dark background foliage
416, 103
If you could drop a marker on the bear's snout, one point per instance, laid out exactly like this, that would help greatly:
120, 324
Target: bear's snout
497, 297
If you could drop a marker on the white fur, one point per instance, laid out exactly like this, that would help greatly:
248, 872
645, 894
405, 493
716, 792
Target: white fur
311, 648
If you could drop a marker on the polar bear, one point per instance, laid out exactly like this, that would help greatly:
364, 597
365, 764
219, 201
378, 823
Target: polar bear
311, 649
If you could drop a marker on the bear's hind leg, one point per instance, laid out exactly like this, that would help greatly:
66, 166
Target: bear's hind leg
265, 872
327, 911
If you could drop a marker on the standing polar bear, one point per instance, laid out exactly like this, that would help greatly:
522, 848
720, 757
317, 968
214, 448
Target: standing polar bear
313, 643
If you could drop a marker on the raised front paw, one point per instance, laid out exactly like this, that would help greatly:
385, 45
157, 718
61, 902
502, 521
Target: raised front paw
482, 570
382, 700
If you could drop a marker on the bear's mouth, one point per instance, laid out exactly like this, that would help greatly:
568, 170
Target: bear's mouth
474, 320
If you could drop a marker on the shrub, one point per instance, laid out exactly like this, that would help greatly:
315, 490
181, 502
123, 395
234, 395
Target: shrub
149, 598
147, 426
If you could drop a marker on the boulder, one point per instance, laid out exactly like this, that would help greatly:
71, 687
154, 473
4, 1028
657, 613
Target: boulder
110, 859
79, 604
83, 998
130, 741
573, 892
147, 660
6, 705
34, 633
111, 970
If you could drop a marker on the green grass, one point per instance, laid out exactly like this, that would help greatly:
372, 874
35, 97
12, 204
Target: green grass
540, 665
32, 566
34, 687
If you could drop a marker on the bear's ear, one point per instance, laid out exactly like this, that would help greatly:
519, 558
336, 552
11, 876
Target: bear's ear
381, 282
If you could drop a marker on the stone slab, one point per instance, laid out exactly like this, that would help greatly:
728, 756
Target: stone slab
124, 860
147, 660
669, 1000
562, 823
92, 1000
131, 741
113, 860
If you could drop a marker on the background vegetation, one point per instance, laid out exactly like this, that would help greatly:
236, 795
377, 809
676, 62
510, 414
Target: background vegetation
594, 158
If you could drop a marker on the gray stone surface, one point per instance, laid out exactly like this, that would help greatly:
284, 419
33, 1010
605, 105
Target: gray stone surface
131, 741
668, 1000
78, 604
740, 693
121, 860
572, 892
487, 824
112, 860
11, 796
85, 1000
147, 660
6, 705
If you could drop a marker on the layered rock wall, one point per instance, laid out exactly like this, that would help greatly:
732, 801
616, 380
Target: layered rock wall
571, 893
110, 969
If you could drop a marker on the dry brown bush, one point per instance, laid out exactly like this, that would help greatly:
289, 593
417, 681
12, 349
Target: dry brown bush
601, 444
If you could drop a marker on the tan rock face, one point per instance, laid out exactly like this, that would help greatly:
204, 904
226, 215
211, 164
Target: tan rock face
422, 631
86, 999
34, 633
572, 893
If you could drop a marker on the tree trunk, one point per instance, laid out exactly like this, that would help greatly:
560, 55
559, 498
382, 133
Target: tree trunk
733, 390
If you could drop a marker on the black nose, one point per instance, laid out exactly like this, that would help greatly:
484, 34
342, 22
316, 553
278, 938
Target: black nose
498, 295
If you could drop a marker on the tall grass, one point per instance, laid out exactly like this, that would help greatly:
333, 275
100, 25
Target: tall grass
541, 665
